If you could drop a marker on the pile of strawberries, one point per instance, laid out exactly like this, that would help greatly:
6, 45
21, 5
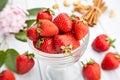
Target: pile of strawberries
59, 35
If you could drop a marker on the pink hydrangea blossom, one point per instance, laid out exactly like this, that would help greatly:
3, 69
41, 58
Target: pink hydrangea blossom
12, 19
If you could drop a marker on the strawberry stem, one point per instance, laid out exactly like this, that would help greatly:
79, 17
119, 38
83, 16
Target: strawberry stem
91, 61
30, 55
117, 56
111, 41
38, 27
51, 11
39, 42
84, 65
72, 17
48, 9
67, 49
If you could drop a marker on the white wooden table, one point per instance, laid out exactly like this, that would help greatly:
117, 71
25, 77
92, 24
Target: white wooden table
110, 26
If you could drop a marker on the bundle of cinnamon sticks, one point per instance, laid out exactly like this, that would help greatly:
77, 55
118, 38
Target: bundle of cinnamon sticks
93, 14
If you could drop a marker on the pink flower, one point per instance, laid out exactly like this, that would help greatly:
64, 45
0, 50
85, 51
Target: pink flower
12, 19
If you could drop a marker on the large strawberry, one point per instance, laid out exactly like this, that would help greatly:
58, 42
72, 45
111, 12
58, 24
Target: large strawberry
65, 42
80, 29
32, 33
47, 28
91, 70
45, 13
102, 43
7, 75
110, 61
24, 63
63, 22
45, 45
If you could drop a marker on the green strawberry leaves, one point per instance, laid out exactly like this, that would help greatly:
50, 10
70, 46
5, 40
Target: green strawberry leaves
2, 4
2, 57
34, 11
21, 36
10, 60
30, 22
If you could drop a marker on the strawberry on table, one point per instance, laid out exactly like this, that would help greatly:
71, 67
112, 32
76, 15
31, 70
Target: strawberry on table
7, 75
24, 63
45, 45
91, 70
32, 33
102, 43
65, 40
110, 61
63, 22
80, 29
47, 28
45, 13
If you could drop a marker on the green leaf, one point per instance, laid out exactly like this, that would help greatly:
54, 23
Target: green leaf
2, 57
30, 22
10, 60
34, 11
2, 4
21, 36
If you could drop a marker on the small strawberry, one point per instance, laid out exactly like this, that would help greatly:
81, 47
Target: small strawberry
7, 75
45, 13
24, 63
32, 33
110, 61
47, 28
65, 41
45, 45
102, 43
63, 22
91, 70
80, 29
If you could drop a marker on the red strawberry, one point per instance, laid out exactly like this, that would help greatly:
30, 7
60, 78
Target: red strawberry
91, 70
47, 28
32, 33
7, 75
24, 63
45, 13
63, 22
45, 45
80, 29
110, 61
102, 43
65, 40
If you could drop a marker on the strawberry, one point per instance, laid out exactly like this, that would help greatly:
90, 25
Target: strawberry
24, 63
80, 29
45, 45
47, 28
45, 13
7, 75
63, 22
91, 70
102, 43
32, 33
110, 61
65, 41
